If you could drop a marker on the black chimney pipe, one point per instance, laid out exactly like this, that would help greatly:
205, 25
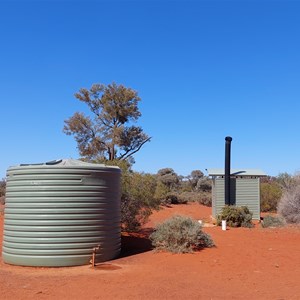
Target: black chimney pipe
228, 140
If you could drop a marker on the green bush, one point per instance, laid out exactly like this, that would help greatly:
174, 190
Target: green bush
137, 201
289, 205
270, 194
161, 192
180, 234
272, 221
188, 196
235, 216
203, 198
137, 197
175, 199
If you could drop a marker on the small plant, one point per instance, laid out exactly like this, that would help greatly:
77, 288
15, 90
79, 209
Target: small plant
180, 234
272, 221
235, 216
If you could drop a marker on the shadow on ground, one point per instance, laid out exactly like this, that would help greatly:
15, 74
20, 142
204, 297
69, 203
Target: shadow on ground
136, 242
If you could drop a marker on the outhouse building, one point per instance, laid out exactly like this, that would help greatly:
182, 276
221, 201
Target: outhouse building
244, 189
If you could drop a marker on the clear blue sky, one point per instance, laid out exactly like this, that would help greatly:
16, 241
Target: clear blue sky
204, 70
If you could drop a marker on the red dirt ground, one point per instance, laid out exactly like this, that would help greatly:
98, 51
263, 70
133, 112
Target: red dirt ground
245, 264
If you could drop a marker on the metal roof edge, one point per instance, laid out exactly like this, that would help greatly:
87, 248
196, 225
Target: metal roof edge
236, 172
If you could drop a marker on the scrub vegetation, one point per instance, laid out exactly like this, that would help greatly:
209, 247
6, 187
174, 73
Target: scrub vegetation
180, 234
272, 221
142, 193
289, 204
235, 216
270, 194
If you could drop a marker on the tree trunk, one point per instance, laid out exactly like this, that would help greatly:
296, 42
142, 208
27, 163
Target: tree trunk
109, 153
113, 154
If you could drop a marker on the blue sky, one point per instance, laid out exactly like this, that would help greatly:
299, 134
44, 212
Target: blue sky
204, 70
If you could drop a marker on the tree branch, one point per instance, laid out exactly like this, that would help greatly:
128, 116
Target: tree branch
126, 155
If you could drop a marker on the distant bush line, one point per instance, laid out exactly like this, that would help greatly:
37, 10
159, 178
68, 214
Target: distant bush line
142, 193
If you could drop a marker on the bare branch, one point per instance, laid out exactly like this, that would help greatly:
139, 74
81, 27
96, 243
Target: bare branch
125, 155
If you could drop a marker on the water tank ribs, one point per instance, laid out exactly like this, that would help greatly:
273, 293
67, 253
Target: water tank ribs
57, 213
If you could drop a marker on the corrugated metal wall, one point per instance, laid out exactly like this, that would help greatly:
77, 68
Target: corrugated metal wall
244, 192
54, 216
248, 194
214, 198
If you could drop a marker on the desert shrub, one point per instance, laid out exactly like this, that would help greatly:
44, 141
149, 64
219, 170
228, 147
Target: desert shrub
137, 196
180, 234
204, 184
235, 216
169, 178
175, 199
270, 194
203, 198
289, 205
287, 181
161, 192
272, 221
189, 196
171, 199
137, 201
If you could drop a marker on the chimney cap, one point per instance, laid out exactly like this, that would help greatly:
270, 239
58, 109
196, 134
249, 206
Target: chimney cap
228, 138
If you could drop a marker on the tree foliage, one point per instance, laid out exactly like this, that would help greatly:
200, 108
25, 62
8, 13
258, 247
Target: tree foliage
176, 189
287, 181
194, 177
169, 178
109, 133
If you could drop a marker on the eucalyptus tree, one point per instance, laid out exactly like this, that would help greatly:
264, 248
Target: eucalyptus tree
109, 132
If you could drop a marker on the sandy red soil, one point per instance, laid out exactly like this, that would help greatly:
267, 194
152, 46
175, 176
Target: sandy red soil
245, 264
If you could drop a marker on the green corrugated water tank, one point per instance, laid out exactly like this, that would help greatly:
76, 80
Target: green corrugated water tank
57, 212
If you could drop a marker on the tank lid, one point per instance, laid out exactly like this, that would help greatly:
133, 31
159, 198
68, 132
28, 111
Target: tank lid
65, 163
